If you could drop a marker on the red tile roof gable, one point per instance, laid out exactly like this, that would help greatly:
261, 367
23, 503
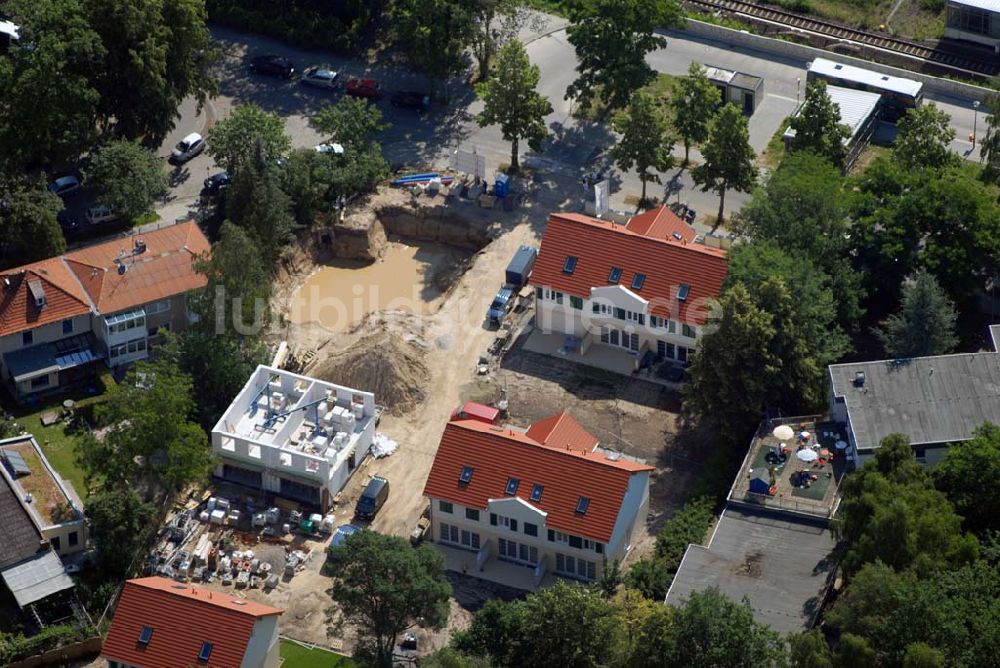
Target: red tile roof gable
64, 298
600, 245
497, 454
661, 223
182, 618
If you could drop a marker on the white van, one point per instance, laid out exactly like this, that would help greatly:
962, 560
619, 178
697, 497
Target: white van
188, 148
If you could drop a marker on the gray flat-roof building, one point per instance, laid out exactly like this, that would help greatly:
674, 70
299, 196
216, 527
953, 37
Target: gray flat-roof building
932, 400
974, 21
744, 90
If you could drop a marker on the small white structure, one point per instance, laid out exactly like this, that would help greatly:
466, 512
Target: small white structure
294, 436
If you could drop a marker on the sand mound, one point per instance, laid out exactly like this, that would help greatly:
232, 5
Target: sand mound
381, 362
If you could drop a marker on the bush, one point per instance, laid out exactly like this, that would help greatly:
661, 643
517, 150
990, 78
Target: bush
313, 24
14, 647
688, 525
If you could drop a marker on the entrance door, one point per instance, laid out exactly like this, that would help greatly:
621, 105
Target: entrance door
747, 103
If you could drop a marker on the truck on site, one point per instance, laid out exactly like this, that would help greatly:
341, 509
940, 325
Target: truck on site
515, 278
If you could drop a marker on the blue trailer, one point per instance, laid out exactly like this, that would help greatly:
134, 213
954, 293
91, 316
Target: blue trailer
519, 270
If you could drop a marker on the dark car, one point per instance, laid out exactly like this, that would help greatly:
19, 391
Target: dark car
367, 88
272, 65
374, 496
69, 223
411, 99
215, 184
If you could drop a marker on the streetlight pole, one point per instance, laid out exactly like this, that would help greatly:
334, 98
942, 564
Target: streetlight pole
975, 118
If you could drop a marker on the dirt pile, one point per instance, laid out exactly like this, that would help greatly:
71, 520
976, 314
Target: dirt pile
382, 362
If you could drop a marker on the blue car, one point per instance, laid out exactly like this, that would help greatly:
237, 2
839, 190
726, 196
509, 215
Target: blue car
501, 304
341, 534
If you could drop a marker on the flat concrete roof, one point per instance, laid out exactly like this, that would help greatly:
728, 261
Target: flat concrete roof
780, 565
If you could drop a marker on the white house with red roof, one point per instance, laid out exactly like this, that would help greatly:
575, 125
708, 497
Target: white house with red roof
645, 287
516, 506
160, 623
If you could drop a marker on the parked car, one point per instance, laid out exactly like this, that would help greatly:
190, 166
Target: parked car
272, 65
65, 186
335, 149
188, 148
319, 77
501, 305
372, 499
215, 184
366, 88
68, 223
100, 214
341, 534
411, 99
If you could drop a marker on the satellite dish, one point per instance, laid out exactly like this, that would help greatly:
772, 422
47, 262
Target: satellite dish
122, 268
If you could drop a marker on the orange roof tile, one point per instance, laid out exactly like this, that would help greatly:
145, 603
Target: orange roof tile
562, 431
600, 245
64, 296
497, 454
182, 618
164, 269
661, 223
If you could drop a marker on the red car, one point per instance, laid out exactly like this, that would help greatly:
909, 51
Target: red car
367, 88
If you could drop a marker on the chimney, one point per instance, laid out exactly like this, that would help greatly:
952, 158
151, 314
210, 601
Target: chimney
859, 379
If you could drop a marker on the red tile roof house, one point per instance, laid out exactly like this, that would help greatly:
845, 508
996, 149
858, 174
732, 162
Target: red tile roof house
644, 288
515, 506
60, 317
160, 623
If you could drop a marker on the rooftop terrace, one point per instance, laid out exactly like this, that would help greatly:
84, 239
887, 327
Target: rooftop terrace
52, 501
802, 477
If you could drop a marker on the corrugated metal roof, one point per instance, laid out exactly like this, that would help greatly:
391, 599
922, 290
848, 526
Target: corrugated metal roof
829, 68
37, 578
855, 106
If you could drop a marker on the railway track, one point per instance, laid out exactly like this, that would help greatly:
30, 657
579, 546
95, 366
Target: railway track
942, 57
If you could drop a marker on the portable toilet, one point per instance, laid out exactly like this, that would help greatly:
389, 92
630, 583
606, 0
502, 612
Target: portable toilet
501, 188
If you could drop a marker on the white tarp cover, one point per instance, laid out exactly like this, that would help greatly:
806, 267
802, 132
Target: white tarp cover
383, 446
37, 578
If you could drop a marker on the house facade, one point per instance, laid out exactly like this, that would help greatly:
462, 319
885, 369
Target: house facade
294, 436
547, 499
645, 287
160, 623
62, 317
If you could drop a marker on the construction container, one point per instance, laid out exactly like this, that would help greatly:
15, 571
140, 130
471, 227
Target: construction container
519, 270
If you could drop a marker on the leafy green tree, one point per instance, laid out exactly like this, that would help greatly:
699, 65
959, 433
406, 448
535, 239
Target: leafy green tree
434, 35
563, 625
256, 203
48, 104
854, 652
612, 39
497, 22
989, 147
688, 525
969, 475
710, 630
925, 324
729, 158
645, 143
922, 655
383, 587
446, 657
652, 636
121, 523
694, 102
651, 576
127, 177
924, 135
352, 122
157, 53
150, 440
809, 650
511, 100
891, 513
817, 126
248, 132
30, 229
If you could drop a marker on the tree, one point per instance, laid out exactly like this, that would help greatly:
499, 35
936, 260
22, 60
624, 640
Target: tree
352, 122
817, 126
446, 657
969, 475
247, 132
563, 625
687, 526
121, 523
925, 324
809, 650
924, 135
256, 203
729, 158
922, 655
612, 39
434, 35
30, 228
157, 53
150, 439
48, 104
127, 176
710, 630
645, 143
854, 652
694, 102
497, 22
989, 147
384, 586
511, 100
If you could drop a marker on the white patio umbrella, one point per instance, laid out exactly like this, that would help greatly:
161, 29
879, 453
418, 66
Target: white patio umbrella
841, 445
807, 455
783, 433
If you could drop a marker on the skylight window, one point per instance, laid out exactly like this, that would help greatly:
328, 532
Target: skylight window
145, 635
206, 651
570, 265
615, 275
466, 475
683, 291
512, 484
536, 492
582, 505
637, 281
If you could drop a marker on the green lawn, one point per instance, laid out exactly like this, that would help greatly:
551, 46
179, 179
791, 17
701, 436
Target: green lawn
297, 656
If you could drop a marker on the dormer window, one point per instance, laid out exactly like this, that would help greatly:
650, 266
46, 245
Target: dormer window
37, 293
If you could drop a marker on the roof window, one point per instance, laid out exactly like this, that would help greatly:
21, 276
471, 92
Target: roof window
466, 475
637, 281
145, 635
206, 651
512, 484
582, 505
615, 275
536, 492
570, 265
683, 291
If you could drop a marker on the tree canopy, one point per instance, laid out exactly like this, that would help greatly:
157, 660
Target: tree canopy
923, 139
120, 524
127, 177
248, 133
730, 161
29, 227
925, 323
434, 35
969, 475
694, 102
511, 100
612, 39
817, 126
497, 22
256, 203
352, 122
646, 143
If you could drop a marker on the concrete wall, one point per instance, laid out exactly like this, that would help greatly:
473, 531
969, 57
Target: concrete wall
262, 648
635, 508
787, 49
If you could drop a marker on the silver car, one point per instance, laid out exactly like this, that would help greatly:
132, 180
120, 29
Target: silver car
319, 77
